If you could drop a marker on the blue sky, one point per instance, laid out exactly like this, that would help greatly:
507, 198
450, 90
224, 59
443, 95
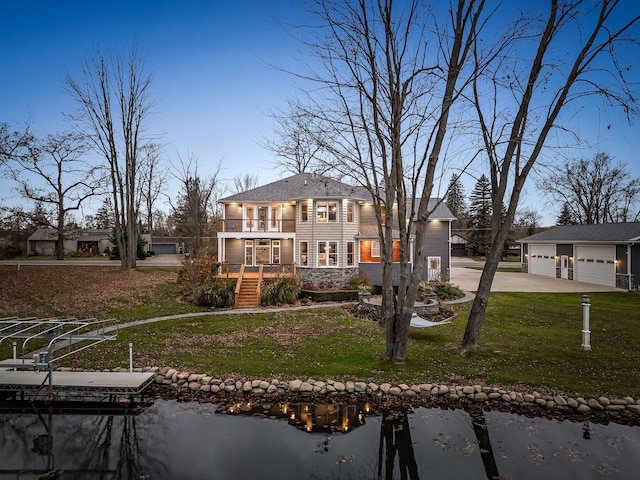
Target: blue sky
211, 62
213, 76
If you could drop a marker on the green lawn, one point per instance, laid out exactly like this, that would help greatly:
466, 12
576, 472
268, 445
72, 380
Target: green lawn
530, 340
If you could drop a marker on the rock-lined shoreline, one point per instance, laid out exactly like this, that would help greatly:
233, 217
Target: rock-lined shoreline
605, 408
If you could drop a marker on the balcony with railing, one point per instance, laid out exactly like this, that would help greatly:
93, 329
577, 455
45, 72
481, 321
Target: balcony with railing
251, 225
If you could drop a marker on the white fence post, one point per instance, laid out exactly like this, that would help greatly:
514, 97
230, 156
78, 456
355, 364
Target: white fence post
586, 333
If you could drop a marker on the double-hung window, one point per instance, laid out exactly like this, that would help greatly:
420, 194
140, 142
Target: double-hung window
304, 253
350, 212
375, 248
350, 254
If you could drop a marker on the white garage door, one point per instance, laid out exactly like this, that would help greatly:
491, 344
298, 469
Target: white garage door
596, 264
542, 260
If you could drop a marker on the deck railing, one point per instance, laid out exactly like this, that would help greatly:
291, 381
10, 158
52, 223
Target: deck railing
252, 225
267, 270
240, 275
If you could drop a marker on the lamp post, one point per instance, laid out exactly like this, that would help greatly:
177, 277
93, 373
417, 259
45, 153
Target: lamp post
586, 334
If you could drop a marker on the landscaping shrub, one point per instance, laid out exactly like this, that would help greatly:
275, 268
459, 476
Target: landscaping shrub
282, 290
217, 293
361, 282
443, 290
197, 275
9, 252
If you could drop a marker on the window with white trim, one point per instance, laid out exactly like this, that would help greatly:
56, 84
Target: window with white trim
375, 248
350, 254
327, 254
304, 253
326, 212
351, 215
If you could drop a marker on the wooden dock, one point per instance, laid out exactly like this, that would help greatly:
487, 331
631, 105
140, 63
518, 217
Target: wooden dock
107, 383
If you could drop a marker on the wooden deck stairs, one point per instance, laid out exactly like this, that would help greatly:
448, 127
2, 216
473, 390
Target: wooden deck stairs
248, 289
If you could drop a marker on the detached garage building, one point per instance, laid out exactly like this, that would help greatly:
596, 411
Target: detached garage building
604, 254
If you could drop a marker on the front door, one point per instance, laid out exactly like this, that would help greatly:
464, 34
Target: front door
564, 267
263, 252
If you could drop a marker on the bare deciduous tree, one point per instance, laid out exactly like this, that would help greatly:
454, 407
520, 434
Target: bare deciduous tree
566, 54
195, 209
527, 219
594, 191
387, 84
299, 141
52, 172
113, 103
244, 182
12, 141
153, 179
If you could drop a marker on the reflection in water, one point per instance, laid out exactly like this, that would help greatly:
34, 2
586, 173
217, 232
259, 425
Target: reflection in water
396, 435
310, 417
484, 444
102, 443
189, 441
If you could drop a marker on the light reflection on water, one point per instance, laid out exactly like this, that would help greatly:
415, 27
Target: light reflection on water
174, 440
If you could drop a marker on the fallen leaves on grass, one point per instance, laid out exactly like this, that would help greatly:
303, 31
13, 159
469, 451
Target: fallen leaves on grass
75, 291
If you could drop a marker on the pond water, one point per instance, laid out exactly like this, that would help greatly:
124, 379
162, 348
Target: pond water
172, 440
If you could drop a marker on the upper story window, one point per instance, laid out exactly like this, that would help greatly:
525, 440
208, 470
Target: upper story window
351, 209
249, 216
304, 211
262, 218
326, 212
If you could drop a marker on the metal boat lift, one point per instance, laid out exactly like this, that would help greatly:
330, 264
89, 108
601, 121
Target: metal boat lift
57, 339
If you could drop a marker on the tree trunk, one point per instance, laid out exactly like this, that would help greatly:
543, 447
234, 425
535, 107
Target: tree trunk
60, 227
471, 337
60, 243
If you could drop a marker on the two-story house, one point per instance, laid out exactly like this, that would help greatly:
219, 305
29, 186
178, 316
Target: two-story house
322, 229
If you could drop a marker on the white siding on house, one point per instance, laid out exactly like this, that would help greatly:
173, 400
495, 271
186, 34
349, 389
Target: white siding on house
596, 264
542, 260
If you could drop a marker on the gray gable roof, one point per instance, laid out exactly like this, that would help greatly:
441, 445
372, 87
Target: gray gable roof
603, 233
311, 185
51, 234
300, 186
441, 211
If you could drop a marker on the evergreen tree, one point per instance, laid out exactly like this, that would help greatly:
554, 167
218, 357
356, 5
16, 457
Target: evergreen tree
566, 216
480, 211
104, 216
456, 203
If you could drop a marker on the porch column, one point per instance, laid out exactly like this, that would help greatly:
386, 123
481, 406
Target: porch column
221, 252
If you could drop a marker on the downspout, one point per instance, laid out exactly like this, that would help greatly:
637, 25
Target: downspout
449, 252
629, 273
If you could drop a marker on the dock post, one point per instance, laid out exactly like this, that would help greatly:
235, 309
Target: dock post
130, 357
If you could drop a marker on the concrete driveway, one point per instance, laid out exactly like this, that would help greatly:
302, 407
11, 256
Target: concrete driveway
468, 278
